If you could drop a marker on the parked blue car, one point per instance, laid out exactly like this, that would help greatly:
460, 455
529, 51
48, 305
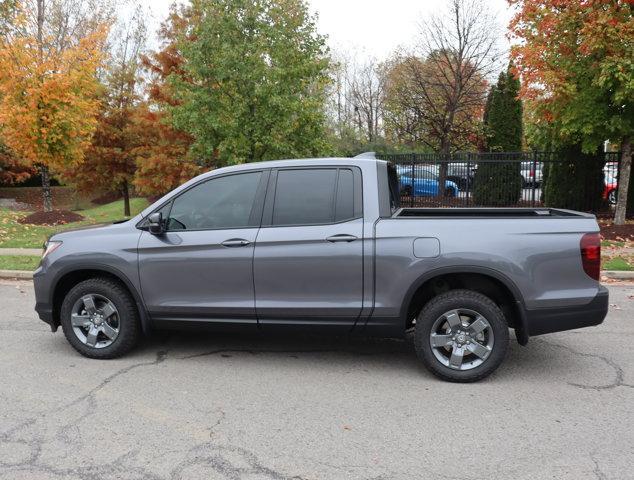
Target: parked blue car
425, 183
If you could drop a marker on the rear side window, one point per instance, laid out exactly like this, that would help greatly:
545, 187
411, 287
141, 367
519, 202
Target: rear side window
344, 207
313, 196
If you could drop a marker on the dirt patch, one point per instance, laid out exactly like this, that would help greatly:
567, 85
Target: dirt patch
56, 217
619, 233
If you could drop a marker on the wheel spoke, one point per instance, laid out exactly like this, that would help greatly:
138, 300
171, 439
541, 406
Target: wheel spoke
453, 319
89, 303
479, 350
440, 340
478, 326
456, 357
91, 338
108, 310
110, 332
77, 320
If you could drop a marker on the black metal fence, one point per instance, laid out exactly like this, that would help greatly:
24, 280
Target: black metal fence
420, 173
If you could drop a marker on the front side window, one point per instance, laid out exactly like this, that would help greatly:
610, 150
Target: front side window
224, 202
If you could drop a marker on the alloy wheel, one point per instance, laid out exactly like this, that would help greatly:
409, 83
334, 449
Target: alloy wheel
95, 321
461, 339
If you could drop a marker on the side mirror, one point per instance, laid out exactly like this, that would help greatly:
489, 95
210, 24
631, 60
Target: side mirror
155, 223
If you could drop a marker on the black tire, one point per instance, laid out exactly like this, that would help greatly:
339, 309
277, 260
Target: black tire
450, 192
129, 324
457, 299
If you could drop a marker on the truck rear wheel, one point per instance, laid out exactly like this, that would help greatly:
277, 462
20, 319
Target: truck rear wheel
100, 319
461, 336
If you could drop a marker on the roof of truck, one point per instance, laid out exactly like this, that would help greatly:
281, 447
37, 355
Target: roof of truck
297, 163
360, 161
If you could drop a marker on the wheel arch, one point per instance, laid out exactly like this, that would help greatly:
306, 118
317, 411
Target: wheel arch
485, 280
70, 277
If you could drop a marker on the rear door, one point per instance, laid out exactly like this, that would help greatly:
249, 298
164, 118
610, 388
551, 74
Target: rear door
308, 262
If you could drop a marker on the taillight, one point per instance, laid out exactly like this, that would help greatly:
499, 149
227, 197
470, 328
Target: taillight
591, 254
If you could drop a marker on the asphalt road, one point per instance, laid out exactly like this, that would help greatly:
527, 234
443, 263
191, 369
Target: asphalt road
234, 407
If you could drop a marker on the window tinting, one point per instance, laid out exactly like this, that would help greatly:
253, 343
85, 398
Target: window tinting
224, 202
304, 197
344, 208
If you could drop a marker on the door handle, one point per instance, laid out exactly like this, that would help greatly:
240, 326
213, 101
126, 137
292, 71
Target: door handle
235, 242
342, 237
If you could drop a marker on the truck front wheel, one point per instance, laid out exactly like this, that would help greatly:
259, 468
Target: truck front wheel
461, 336
100, 319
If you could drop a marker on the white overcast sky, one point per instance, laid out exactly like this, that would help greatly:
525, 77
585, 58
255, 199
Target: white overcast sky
364, 27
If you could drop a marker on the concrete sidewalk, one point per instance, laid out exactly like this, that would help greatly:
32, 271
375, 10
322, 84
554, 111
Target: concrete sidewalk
21, 252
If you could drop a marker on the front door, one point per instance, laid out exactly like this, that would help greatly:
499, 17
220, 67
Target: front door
308, 265
201, 268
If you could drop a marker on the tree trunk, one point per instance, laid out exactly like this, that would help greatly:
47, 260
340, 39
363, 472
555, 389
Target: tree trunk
624, 181
443, 168
47, 199
40, 27
47, 203
126, 198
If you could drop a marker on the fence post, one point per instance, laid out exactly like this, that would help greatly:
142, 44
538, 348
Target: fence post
468, 178
618, 174
411, 193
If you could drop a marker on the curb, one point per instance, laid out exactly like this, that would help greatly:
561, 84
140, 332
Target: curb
21, 252
16, 274
618, 275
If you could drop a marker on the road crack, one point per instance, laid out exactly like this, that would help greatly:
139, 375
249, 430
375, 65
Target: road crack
35, 442
619, 374
228, 462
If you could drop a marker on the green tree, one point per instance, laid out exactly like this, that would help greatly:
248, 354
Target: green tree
575, 179
253, 83
499, 183
577, 63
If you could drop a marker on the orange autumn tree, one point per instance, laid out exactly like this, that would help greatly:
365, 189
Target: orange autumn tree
110, 162
163, 160
48, 85
12, 170
576, 59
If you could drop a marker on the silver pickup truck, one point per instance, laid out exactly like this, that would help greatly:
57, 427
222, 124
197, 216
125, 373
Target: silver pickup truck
323, 245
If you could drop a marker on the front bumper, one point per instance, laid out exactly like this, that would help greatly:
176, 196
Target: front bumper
43, 305
549, 320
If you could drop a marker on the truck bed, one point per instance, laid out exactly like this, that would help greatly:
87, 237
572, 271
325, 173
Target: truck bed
488, 213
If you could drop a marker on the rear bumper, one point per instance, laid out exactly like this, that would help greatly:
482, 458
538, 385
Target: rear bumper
549, 320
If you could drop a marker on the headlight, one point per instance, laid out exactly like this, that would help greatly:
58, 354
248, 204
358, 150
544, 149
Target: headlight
50, 247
